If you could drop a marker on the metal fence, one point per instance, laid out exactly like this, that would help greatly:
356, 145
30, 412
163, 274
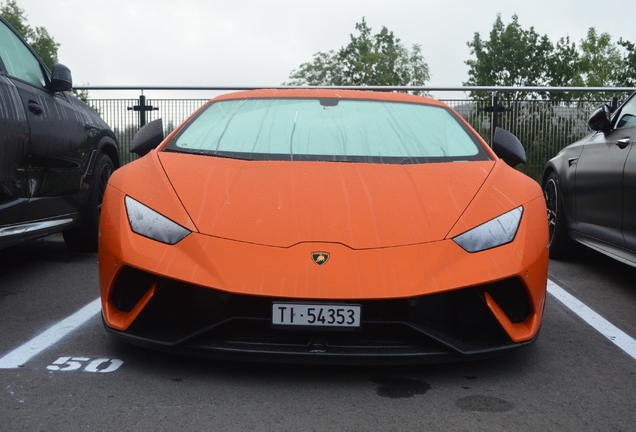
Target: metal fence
125, 118
544, 127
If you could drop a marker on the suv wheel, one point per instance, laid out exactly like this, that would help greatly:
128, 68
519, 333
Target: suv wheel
83, 238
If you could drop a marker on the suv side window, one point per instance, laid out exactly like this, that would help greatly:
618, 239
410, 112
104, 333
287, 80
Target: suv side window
18, 59
627, 116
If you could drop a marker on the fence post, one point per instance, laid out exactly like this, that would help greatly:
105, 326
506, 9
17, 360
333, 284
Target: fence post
493, 119
142, 108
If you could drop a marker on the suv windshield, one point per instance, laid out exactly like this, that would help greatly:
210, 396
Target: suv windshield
328, 129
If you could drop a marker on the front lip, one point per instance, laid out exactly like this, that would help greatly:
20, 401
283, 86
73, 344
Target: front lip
320, 356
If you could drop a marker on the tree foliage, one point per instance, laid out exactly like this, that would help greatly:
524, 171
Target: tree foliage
374, 60
513, 56
39, 39
626, 76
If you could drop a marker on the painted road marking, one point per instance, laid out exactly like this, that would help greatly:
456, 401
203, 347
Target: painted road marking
604, 327
19, 356
69, 364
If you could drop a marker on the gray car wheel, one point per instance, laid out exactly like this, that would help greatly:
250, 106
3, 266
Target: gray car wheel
561, 245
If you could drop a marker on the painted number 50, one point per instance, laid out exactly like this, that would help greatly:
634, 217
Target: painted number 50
102, 365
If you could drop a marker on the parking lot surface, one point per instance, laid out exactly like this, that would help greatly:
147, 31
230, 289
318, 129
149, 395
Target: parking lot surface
73, 376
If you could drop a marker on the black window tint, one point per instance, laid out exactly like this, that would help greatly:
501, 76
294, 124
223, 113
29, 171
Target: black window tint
18, 59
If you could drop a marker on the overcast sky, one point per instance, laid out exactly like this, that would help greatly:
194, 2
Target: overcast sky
217, 43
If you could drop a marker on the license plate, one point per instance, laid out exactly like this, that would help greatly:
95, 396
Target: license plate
316, 315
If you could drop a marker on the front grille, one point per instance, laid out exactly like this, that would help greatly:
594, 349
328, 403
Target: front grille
181, 314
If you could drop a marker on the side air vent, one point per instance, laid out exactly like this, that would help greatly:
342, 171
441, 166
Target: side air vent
512, 298
130, 287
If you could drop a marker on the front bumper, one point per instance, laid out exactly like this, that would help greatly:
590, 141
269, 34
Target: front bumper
199, 321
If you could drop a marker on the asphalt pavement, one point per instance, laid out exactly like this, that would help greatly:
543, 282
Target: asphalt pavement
73, 376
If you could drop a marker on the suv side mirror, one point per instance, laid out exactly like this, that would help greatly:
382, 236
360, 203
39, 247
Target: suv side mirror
508, 147
61, 79
600, 120
147, 138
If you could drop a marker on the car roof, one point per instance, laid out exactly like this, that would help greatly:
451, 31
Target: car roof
330, 93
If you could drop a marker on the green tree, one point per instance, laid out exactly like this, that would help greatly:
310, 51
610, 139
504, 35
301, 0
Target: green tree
39, 39
512, 57
626, 76
515, 57
564, 64
373, 60
600, 60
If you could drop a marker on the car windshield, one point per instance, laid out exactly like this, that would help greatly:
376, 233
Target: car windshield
328, 129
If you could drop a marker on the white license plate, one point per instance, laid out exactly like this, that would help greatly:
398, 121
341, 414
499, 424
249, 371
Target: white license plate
316, 315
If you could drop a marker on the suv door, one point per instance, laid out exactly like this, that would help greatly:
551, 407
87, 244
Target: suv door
49, 166
14, 141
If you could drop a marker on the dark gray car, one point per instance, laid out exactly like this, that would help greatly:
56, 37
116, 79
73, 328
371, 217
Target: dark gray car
590, 188
56, 153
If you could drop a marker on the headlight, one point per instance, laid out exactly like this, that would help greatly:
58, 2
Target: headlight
148, 223
496, 232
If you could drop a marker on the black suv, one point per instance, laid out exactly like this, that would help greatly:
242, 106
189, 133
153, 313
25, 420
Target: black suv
56, 153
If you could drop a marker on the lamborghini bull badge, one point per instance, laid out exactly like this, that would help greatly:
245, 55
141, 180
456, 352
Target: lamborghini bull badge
320, 258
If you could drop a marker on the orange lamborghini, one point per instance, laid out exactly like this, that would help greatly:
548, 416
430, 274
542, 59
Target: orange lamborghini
324, 226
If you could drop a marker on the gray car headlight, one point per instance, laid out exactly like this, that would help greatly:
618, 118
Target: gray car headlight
148, 223
496, 232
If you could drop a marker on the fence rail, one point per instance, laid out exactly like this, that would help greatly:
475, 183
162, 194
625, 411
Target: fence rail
543, 126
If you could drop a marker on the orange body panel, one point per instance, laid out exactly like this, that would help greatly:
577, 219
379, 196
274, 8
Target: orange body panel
360, 205
388, 228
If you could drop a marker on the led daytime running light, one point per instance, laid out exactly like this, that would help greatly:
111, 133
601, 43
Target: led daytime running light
148, 223
496, 232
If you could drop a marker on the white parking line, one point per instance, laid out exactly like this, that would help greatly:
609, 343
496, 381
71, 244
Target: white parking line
24, 353
604, 327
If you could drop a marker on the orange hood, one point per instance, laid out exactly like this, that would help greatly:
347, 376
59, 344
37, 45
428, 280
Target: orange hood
280, 203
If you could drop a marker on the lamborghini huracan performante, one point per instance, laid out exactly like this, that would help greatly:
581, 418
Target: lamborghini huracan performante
310, 225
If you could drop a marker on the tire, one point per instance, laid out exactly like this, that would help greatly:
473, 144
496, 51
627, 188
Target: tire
83, 238
560, 244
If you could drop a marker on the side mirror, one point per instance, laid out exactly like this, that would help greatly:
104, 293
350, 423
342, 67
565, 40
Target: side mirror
508, 147
600, 120
61, 79
147, 138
